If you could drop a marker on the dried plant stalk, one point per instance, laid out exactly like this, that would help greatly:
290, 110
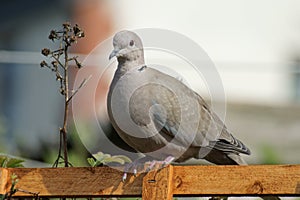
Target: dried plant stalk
59, 64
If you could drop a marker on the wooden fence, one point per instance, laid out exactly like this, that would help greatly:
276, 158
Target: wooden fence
255, 180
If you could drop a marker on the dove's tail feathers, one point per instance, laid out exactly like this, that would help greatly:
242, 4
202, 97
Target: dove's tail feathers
235, 146
237, 158
223, 158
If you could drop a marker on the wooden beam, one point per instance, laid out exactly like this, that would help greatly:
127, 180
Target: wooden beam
3, 180
251, 180
158, 184
74, 182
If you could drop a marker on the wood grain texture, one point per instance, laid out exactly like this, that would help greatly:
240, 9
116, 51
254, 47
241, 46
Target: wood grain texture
237, 180
283, 180
79, 182
3, 180
158, 184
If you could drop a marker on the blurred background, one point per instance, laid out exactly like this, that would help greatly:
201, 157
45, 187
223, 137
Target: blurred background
255, 46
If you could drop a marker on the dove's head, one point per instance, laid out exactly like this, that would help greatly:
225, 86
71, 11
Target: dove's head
128, 47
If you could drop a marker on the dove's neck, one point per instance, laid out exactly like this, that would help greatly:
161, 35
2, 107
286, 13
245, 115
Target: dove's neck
128, 63
123, 67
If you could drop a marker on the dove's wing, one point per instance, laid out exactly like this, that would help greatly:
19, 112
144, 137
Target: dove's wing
174, 108
226, 142
163, 104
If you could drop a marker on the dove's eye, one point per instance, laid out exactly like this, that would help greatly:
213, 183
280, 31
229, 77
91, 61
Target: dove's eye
131, 43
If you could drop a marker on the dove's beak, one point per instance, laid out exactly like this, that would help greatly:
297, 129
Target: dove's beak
113, 53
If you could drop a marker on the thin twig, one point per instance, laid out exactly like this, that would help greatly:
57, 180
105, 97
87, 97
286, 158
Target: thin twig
55, 164
66, 84
83, 83
35, 194
58, 61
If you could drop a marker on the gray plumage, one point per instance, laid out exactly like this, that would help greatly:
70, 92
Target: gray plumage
160, 116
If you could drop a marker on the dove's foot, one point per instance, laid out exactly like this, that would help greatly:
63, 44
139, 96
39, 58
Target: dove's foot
160, 164
145, 164
135, 166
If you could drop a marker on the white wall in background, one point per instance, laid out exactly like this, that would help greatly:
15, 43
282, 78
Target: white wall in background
250, 41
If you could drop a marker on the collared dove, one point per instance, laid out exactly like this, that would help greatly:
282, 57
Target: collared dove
164, 111
158, 115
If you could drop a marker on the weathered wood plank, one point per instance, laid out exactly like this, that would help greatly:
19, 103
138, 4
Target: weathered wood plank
158, 184
70, 182
3, 180
252, 180
237, 180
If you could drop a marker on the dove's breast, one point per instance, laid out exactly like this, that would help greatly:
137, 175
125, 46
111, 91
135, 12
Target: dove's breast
152, 114
122, 93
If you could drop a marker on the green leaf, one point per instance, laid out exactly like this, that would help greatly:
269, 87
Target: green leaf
91, 162
125, 158
10, 162
112, 159
102, 159
2, 196
3, 161
13, 162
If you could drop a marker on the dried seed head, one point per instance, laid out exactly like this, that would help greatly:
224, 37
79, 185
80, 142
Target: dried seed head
46, 51
67, 25
53, 35
43, 64
58, 77
62, 91
54, 64
81, 34
72, 39
78, 31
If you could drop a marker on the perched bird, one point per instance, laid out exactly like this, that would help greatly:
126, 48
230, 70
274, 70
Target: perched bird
159, 116
171, 121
